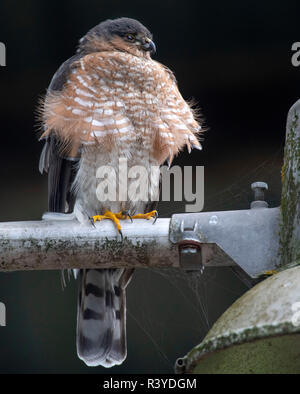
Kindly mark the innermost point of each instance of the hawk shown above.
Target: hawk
(110, 100)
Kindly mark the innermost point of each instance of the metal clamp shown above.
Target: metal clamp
(227, 239)
(189, 239)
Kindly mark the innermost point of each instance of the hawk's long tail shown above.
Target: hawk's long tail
(101, 316)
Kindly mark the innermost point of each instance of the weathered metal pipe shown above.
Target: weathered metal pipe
(246, 240)
(51, 244)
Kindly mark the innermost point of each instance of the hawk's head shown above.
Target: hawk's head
(122, 34)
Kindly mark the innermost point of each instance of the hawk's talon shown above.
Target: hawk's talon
(127, 214)
(123, 215)
(156, 216)
(92, 221)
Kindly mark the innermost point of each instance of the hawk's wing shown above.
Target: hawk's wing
(61, 169)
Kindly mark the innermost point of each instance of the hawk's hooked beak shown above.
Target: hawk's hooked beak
(149, 45)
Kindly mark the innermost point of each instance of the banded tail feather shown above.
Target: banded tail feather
(101, 316)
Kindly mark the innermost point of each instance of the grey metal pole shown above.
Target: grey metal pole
(246, 240)
(290, 199)
(64, 244)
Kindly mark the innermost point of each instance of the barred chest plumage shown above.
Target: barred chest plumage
(115, 97)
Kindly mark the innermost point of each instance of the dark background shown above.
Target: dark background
(234, 59)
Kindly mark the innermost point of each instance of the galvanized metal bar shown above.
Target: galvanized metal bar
(60, 244)
(246, 240)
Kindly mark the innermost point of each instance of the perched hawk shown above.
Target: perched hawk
(110, 100)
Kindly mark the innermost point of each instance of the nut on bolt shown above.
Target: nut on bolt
(190, 255)
(188, 237)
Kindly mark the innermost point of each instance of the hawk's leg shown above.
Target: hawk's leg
(148, 215)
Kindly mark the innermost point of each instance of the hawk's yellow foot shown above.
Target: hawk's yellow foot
(115, 217)
(148, 215)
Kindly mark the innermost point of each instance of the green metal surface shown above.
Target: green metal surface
(261, 326)
(268, 355)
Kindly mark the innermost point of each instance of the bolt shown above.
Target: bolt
(190, 257)
(180, 365)
(259, 189)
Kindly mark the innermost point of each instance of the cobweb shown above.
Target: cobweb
(201, 298)
(197, 283)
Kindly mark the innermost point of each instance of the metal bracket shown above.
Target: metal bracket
(196, 252)
(244, 240)
(189, 240)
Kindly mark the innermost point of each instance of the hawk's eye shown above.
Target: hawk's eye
(130, 37)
